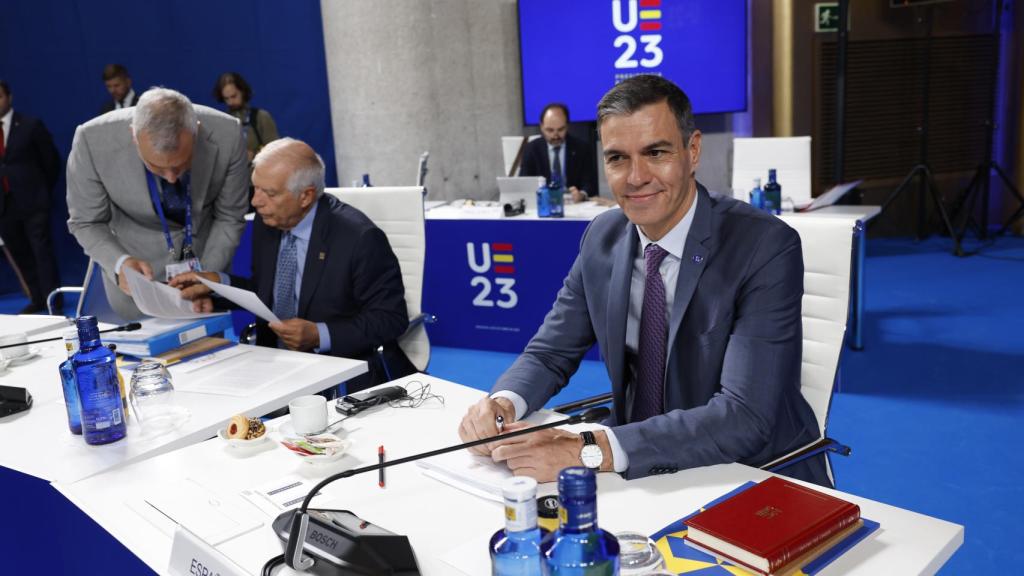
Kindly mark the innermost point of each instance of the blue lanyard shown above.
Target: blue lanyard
(154, 195)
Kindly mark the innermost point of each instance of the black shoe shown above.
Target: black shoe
(31, 308)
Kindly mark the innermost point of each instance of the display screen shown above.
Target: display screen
(573, 51)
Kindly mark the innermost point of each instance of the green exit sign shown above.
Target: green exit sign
(826, 17)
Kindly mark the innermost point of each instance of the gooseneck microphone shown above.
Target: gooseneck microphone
(299, 522)
(123, 328)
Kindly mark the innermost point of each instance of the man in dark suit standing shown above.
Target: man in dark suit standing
(321, 265)
(694, 299)
(119, 84)
(29, 167)
(561, 154)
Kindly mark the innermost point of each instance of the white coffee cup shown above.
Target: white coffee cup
(309, 414)
(13, 352)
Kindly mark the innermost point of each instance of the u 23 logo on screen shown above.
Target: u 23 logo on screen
(630, 17)
(492, 258)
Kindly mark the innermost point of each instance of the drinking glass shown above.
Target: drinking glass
(152, 397)
(638, 555)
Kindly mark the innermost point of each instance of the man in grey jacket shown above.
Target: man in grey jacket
(161, 187)
(695, 302)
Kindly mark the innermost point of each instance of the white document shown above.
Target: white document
(829, 198)
(158, 300)
(790, 157)
(244, 298)
(240, 375)
(211, 517)
(479, 475)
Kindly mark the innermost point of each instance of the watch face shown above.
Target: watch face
(591, 456)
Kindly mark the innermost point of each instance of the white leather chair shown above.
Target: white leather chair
(398, 211)
(92, 297)
(828, 248)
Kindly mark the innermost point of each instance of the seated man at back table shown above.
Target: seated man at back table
(695, 302)
(321, 265)
(561, 154)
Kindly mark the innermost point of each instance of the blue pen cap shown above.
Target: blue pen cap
(88, 328)
(577, 482)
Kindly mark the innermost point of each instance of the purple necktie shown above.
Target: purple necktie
(650, 360)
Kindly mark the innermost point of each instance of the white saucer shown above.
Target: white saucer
(285, 430)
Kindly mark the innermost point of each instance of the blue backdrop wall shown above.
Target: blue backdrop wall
(52, 53)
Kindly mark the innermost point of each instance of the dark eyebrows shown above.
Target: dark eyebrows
(657, 145)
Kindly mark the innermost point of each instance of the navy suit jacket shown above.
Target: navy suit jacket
(351, 281)
(732, 384)
(31, 165)
(580, 165)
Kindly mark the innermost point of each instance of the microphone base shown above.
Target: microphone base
(342, 544)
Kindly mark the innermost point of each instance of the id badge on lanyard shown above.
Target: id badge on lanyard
(188, 262)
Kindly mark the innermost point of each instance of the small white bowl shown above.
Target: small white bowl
(340, 451)
(238, 443)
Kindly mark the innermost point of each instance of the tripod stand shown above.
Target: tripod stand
(922, 172)
(981, 182)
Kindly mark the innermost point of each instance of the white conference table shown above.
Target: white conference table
(66, 457)
(449, 528)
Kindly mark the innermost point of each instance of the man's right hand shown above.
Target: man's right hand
(480, 421)
(140, 266)
(190, 286)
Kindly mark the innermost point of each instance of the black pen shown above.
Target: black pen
(380, 459)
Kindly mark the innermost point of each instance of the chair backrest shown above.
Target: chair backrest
(510, 148)
(398, 211)
(789, 156)
(93, 300)
(827, 247)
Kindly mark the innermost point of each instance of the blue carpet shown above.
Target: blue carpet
(932, 406)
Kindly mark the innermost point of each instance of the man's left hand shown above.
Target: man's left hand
(297, 334)
(541, 455)
(577, 194)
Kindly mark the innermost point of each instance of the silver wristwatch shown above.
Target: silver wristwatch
(591, 454)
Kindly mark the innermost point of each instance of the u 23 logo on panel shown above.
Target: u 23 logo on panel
(494, 266)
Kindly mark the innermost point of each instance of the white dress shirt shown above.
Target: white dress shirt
(6, 121)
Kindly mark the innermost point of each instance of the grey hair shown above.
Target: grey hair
(307, 166)
(638, 91)
(163, 114)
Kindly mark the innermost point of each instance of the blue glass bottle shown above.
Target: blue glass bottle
(515, 549)
(543, 201)
(757, 195)
(579, 547)
(556, 198)
(98, 389)
(772, 194)
(67, 379)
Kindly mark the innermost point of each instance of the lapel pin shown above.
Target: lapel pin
(698, 258)
(323, 255)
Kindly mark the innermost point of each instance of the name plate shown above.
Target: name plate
(190, 556)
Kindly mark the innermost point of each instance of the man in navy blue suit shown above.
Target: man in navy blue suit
(29, 168)
(327, 272)
(695, 302)
(562, 154)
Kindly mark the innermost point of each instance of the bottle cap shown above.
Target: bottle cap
(757, 182)
(547, 507)
(519, 489)
(576, 482)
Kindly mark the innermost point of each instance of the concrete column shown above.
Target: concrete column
(408, 76)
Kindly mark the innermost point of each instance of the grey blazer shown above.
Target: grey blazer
(732, 384)
(109, 204)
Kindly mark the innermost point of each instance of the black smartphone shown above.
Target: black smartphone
(355, 403)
